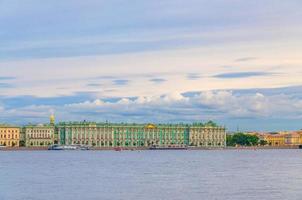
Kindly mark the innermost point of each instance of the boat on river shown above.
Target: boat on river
(118, 149)
(168, 148)
(67, 147)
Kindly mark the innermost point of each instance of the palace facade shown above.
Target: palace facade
(282, 138)
(140, 135)
(38, 135)
(9, 135)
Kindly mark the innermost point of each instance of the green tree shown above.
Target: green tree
(242, 139)
(22, 144)
(252, 140)
(263, 142)
(229, 140)
(211, 124)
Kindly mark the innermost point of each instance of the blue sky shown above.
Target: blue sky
(236, 62)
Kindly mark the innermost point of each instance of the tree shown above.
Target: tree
(263, 142)
(229, 140)
(22, 144)
(242, 139)
(252, 140)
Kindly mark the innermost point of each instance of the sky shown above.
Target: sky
(236, 62)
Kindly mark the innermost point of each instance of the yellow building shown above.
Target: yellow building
(300, 133)
(293, 138)
(274, 139)
(9, 135)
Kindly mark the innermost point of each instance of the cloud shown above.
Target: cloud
(244, 59)
(193, 76)
(5, 85)
(105, 77)
(25, 101)
(224, 106)
(208, 104)
(184, 44)
(241, 74)
(7, 78)
(94, 84)
(121, 82)
(157, 80)
(81, 29)
(65, 76)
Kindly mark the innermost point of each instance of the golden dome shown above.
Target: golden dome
(52, 119)
(150, 126)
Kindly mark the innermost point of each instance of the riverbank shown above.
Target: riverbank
(146, 148)
(262, 147)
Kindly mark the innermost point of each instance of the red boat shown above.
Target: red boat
(118, 149)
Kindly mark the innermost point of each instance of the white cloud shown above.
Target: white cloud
(218, 105)
(223, 103)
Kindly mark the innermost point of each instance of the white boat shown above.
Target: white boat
(55, 147)
(67, 147)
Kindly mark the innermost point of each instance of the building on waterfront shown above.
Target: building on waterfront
(293, 138)
(9, 135)
(141, 135)
(282, 138)
(38, 135)
(276, 139)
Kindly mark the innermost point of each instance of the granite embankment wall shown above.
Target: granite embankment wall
(145, 148)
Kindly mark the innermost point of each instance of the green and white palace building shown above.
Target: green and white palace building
(141, 135)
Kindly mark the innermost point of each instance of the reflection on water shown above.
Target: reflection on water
(94, 175)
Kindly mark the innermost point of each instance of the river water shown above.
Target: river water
(144, 175)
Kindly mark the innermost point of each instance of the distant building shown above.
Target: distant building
(140, 135)
(38, 135)
(282, 138)
(274, 139)
(293, 138)
(9, 135)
